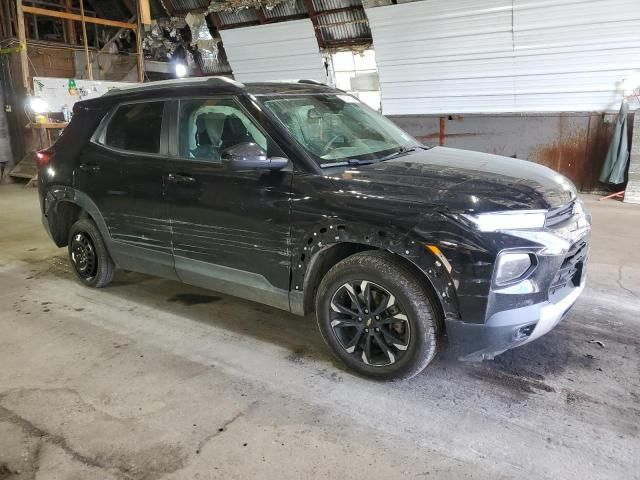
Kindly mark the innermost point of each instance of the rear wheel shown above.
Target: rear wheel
(377, 317)
(88, 254)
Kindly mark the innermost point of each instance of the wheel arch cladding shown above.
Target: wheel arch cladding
(328, 244)
(63, 206)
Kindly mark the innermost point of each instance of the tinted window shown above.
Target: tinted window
(136, 127)
(209, 126)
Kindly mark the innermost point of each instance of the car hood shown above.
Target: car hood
(460, 180)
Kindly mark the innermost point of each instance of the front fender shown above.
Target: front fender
(406, 245)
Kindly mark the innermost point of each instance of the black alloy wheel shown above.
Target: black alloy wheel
(378, 316)
(368, 321)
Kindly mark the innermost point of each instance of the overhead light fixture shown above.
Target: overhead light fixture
(38, 105)
(181, 70)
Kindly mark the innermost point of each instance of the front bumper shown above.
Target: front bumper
(523, 312)
(507, 329)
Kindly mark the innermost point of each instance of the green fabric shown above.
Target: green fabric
(615, 164)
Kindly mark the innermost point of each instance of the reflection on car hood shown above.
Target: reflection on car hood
(461, 180)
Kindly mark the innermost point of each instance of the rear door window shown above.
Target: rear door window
(136, 127)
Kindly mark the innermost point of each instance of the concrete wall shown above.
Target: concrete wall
(574, 144)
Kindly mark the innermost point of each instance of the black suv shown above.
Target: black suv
(298, 196)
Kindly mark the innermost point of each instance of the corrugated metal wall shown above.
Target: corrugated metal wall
(465, 56)
(287, 50)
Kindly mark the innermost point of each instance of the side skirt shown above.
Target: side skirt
(230, 281)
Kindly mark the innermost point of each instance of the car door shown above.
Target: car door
(125, 174)
(230, 228)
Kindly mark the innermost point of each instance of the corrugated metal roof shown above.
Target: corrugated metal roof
(347, 25)
(276, 51)
(339, 27)
(322, 5)
(241, 16)
(184, 6)
(504, 55)
(285, 9)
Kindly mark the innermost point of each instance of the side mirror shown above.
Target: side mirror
(250, 156)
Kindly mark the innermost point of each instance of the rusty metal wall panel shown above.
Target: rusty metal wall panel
(465, 56)
(573, 144)
(277, 51)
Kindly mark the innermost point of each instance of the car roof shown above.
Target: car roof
(215, 85)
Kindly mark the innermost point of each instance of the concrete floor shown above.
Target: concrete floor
(153, 379)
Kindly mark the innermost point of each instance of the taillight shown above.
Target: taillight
(43, 157)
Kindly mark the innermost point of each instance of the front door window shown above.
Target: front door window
(208, 127)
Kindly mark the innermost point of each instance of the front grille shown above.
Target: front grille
(559, 215)
(571, 269)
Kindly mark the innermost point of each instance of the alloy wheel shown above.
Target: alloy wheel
(369, 323)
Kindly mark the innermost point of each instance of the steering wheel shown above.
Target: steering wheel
(329, 144)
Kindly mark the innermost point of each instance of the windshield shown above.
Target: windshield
(335, 128)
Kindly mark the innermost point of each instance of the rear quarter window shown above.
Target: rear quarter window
(135, 127)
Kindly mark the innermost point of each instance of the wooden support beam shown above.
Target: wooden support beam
(3, 23)
(78, 18)
(85, 42)
(314, 20)
(262, 18)
(22, 38)
(215, 18)
(69, 25)
(145, 12)
(13, 13)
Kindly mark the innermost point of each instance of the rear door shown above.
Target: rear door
(124, 175)
(230, 228)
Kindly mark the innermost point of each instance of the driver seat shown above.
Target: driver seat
(234, 132)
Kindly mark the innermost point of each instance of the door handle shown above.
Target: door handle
(178, 178)
(86, 167)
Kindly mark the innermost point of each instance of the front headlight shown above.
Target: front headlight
(513, 220)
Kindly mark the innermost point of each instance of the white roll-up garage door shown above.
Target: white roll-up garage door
(278, 51)
(465, 56)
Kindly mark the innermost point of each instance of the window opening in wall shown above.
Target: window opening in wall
(356, 72)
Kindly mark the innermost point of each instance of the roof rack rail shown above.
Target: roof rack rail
(312, 82)
(212, 81)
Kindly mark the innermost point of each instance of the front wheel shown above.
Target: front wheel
(377, 317)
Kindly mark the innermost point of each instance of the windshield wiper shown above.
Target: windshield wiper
(403, 151)
(350, 162)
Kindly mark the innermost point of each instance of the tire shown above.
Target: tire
(406, 320)
(88, 255)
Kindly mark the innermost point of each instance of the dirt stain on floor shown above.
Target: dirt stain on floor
(193, 299)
